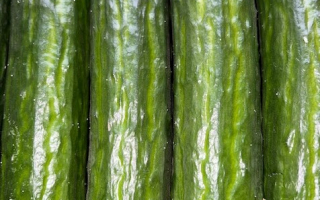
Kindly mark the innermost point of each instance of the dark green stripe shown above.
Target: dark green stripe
(4, 40)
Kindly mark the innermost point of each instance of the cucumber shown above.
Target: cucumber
(128, 116)
(290, 59)
(217, 152)
(45, 131)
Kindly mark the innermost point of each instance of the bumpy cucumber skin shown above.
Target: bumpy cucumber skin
(46, 103)
(291, 98)
(217, 152)
(129, 117)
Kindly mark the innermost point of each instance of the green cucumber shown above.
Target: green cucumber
(129, 117)
(290, 43)
(44, 138)
(217, 152)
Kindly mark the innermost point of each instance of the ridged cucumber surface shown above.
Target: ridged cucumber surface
(44, 138)
(129, 117)
(290, 43)
(217, 151)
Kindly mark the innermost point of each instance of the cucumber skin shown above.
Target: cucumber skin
(129, 117)
(217, 152)
(46, 103)
(290, 59)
